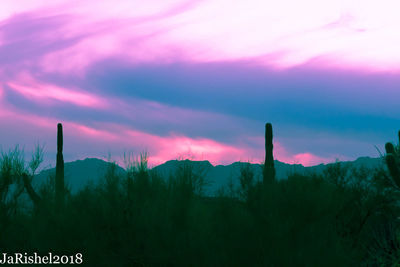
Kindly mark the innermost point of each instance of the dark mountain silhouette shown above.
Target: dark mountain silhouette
(79, 173)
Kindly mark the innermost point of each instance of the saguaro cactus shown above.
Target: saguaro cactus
(399, 137)
(392, 161)
(269, 168)
(59, 169)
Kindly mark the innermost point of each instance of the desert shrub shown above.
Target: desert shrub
(341, 218)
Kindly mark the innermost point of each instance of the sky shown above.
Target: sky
(199, 79)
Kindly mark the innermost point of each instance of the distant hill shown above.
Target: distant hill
(221, 175)
(79, 173)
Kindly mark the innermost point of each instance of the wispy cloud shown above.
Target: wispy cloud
(42, 92)
(80, 33)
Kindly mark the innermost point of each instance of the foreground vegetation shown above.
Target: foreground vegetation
(341, 218)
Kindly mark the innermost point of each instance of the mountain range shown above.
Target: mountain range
(81, 172)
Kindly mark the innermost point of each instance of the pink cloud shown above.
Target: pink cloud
(36, 90)
(23, 119)
(83, 140)
(175, 147)
(308, 159)
(1, 92)
(91, 132)
(209, 31)
(346, 34)
(163, 148)
(281, 153)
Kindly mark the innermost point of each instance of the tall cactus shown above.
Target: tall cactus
(398, 133)
(393, 161)
(269, 168)
(59, 183)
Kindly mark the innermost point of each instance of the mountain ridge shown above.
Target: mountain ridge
(80, 172)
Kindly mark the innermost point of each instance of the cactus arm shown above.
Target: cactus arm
(393, 168)
(398, 133)
(392, 162)
(389, 148)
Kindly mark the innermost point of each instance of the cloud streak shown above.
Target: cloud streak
(47, 92)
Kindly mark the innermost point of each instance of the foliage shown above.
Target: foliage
(342, 217)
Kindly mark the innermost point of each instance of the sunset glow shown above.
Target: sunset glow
(200, 79)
